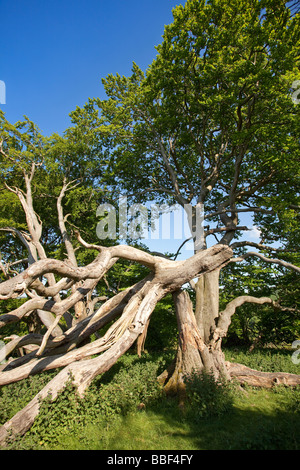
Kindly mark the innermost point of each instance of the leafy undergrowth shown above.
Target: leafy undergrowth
(125, 409)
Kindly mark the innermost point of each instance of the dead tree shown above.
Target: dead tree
(69, 348)
(132, 307)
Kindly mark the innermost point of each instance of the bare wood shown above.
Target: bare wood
(134, 307)
(260, 246)
(224, 319)
(268, 260)
(16, 286)
(256, 378)
(170, 275)
(84, 372)
(61, 222)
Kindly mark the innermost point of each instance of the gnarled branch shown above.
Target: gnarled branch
(280, 262)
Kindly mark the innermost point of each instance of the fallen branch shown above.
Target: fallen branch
(256, 378)
(280, 262)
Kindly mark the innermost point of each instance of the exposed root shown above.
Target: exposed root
(256, 378)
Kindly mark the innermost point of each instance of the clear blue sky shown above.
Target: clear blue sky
(55, 52)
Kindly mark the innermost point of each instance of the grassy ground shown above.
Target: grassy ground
(112, 416)
(258, 421)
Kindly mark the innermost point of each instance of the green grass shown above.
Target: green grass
(264, 359)
(259, 420)
(110, 419)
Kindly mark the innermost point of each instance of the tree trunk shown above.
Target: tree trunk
(207, 303)
(200, 338)
(196, 351)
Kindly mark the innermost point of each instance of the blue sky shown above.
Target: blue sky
(54, 53)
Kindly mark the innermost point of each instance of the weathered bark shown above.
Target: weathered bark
(200, 336)
(255, 378)
(84, 372)
(195, 352)
(207, 302)
(200, 339)
(224, 319)
(280, 262)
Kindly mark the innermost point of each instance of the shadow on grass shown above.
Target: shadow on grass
(256, 421)
(245, 427)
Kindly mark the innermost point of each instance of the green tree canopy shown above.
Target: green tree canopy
(212, 119)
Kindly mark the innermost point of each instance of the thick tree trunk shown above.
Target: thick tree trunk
(207, 303)
(195, 349)
(200, 338)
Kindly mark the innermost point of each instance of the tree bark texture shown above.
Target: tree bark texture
(196, 352)
(200, 339)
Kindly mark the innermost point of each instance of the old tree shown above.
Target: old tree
(214, 122)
